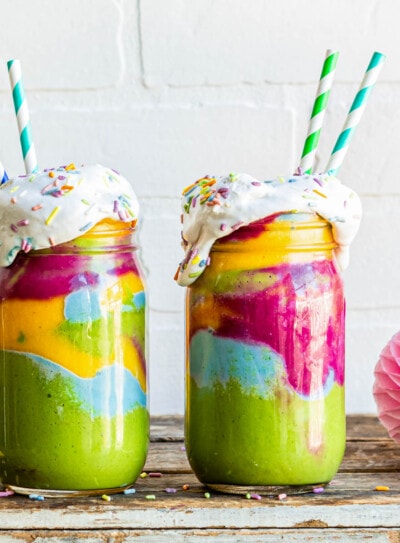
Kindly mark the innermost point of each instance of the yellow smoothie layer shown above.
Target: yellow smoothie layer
(38, 333)
(271, 244)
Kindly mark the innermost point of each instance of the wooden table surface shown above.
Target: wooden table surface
(350, 509)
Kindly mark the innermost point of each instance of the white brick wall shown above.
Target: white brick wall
(168, 90)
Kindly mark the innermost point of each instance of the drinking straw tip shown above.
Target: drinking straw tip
(332, 52)
(377, 58)
(332, 56)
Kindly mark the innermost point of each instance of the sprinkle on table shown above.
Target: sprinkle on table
(6, 493)
(36, 497)
(255, 496)
(382, 488)
(129, 491)
(318, 490)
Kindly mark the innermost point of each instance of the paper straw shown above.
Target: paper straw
(3, 174)
(355, 113)
(22, 113)
(318, 112)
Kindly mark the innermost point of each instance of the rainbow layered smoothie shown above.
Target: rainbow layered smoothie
(265, 327)
(72, 360)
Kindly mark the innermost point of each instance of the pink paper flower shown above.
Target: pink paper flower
(386, 388)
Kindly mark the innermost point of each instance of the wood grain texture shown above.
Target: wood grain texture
(313, 535)
(350, 509)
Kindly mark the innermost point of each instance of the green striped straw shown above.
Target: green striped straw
(355, 113)
(318, 112)
(22, 113)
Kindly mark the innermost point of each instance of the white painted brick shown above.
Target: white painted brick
(162, 150)
(64, 45)
(10, 151)
(231, 41)
(372, 279)
(166, 363)
(367, 333)
(161, 253)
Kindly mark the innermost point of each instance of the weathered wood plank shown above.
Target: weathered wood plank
(365, 427)
(360, 456)
(359, 427)
(166, 428)
(167, 457)
(344, 485)
(375, 456)
(350, 502)
(204, 536)
(217, 515)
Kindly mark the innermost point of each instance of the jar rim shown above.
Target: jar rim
(311, 232)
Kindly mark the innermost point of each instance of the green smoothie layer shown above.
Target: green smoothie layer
(303, 442)
(55, 440)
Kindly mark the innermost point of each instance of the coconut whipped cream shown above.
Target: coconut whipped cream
(44, 209)
(214, 207)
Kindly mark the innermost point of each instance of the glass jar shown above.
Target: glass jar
(72, 364)
(265, 357)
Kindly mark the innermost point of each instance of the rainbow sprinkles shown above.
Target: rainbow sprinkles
(43, 209)
(213, 205)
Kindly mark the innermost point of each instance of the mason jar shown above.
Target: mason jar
(265, 358)
(73, 386)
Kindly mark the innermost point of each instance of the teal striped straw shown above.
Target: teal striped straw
(22, 113)
(355, 113)
(318, 112)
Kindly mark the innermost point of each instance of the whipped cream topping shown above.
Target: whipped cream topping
(44, 209)
(215, 207)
